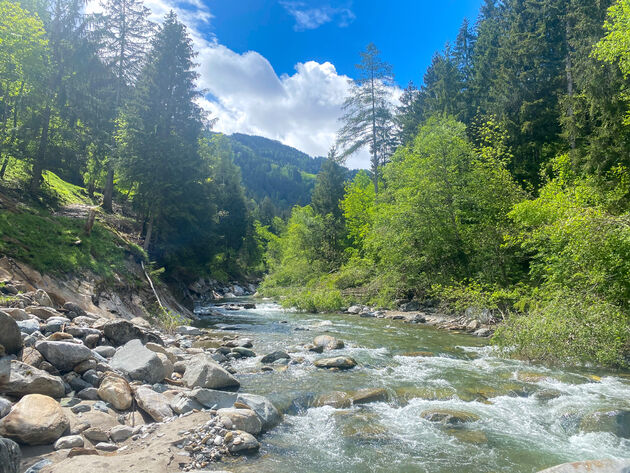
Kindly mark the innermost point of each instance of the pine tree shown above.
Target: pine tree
(123, 32)
(162, 128)
(329, 188)
(408, 114)
(368, 118)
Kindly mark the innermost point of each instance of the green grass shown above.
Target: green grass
(65, 192)
(58, 245)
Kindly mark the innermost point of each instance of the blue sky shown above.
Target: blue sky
(281, 68)
(407, 32)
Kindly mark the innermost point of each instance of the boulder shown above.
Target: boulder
(26, 379)
(10, 456)
(355, 309)
(74, 310)
(96, 435)
(70, 441)
(242, 419)
(17, 314)
(187, 330)
(120, 332)
(181, 404)
(591, 466)
(339, 362)
(364, 396)
(120, 433)
(449, 417)
(138, 363)
(42, 298)
(264, 409)
(153, 403)
(275, 356)
(29, 326)
(105, 351)
(244, 352)
(56, 324)
(410, 306)
(616, 422)
(213, 399)
(328, 342)
(166, 364)
(43, 313)
(10, 336)
(336, 399)
(32, 357)
(64, 355)
(242, 442)
(160, 349)
(203, 372)
(35, 420)
(115, 390)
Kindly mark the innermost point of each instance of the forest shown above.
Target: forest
(499, 184)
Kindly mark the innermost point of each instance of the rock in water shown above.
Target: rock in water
(340, 362)
(10, 336)
(242, 419)
(328, 342)
(242, 442)
(35, 420)
(364, 396)
(115, 390)
(449, 417)
(154, 404)
(275, 356)
(203, 372)
(266, 411)
(10, 456)
(138, 363)
(25, 379)
(614, 421)
(64, 355)
(591, 466)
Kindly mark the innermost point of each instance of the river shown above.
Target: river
(529, 416)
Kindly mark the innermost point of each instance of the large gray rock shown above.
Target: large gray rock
(591, 466)
(74, 310)
(181, 404)
(242, 419)
(264, 409)
(120, 332)
(25, 379)
(328, 342)
(138, 363)
(17, 314)
(275, 356)
(10, 456)
(35, 420)
(10, 336)
(213, 399)
(242, 442)
(203, 372)
(153, 403)
(64, 355)
(29, 326)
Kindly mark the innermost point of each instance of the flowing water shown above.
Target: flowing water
(529, 416)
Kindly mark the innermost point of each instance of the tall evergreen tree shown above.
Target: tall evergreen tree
(368, 117)
(164, 124)
(123, 30)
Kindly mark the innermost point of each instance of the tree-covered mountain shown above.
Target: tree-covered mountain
(276, 177)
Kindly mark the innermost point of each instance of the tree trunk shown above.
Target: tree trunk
(89, 224)
(147, 237)
(109, 190)
(38, 165)
(374, 149)
(5, 163)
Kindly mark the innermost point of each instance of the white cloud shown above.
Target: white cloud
(310, 18)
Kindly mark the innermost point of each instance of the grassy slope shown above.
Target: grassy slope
(57, 244)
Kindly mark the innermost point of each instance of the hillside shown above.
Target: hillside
(274, 173)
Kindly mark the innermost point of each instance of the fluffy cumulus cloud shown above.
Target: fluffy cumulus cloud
(309, 17)
(301, 110)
